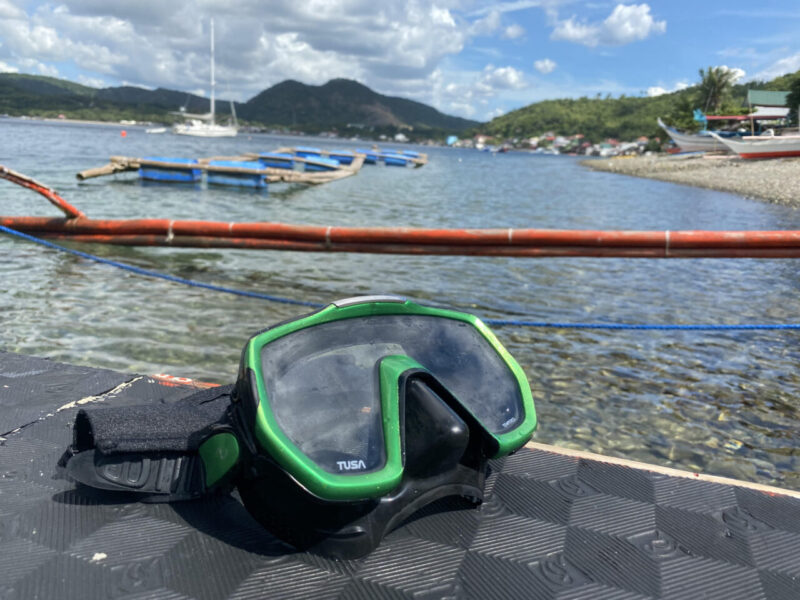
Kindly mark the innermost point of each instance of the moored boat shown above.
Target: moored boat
(693, 142)
(762, 146)
(206, 125)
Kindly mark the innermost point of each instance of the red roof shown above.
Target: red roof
(744, 117)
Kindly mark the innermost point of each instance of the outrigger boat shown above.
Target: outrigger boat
(762, 146)
(77, 227)
(693, 142)
(714, 140)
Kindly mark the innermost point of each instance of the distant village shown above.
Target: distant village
(550, 143)
(547, 143)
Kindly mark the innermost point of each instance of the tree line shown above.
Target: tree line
(630, 117)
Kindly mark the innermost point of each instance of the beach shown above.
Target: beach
(776, 180)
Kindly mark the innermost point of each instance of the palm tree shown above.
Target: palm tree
(715, 86)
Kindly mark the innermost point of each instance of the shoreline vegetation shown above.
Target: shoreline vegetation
(774, 180)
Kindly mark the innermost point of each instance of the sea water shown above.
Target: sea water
(722, 402)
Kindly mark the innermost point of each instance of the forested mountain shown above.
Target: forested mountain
(349, 106)
(342, 101)
(624, 118)
(289, 104)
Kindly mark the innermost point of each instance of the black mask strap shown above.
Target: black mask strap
(149, 450)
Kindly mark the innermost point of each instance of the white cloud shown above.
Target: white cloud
(493, 114)
(513, 32)
(94, 82)
(501, 78)
(462, 108)
(504, 7)
(737, 73)
(658, 90)
(544, 66)
(787, 64)
(9, 11)
(30, 65)
(626, 24)
(7, 68)
(487, 25)
(156, 43)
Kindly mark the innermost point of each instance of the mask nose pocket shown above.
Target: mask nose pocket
(435, 436)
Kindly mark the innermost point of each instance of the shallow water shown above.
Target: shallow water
(722, 402)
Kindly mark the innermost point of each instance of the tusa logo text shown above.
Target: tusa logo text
(351, 465)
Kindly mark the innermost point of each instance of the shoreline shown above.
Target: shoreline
(775, 180)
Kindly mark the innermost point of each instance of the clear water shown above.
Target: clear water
(725, 403)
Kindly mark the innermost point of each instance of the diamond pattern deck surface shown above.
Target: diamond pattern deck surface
(553, 527)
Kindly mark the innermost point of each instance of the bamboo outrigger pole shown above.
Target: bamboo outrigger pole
(399, 240)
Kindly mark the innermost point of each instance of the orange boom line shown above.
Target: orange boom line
(75, 226)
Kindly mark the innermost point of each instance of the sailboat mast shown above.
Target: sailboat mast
(213, 83)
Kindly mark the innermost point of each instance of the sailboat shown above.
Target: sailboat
(205, 125)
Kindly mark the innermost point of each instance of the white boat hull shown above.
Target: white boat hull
(200, 129)
(205, 126)
(689, 142)
(764, 146)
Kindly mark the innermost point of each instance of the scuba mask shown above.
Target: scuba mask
(341, 424)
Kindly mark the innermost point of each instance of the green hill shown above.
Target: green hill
(624, 118)
(342, 101)
(289, 104)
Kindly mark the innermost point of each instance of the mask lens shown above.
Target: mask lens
(323, 387)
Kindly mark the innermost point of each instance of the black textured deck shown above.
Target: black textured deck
(553, 527)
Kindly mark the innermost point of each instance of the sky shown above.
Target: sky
(468, 58)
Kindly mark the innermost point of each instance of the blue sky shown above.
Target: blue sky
(473, 59)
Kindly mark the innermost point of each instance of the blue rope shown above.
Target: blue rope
(648, 326)
(148, 273)
(494, 322)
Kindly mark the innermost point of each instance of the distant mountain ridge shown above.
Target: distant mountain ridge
(288, 104)
(342, 101)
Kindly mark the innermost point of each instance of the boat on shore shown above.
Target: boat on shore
(693, 142)
(762, 146)
(206, 125)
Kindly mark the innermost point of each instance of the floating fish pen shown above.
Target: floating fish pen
(322, 164)
(395, 160)
(276, 160)
(311, 160)
(236, 173)
(248, 170)
(373, 156)
(305, 151)
(302, 164)
(343, 157)
(180, 170)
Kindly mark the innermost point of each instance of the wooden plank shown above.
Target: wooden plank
(640, 466)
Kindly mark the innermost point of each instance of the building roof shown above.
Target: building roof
(765, 98)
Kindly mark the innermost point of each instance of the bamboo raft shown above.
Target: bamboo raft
(416, 159)
(121, 164)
